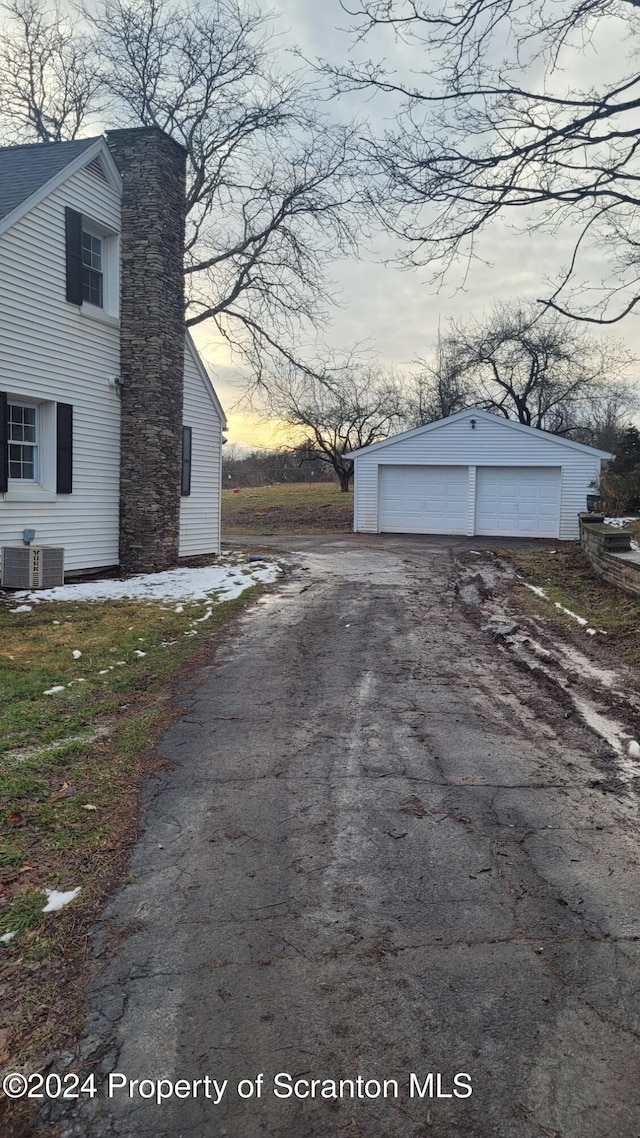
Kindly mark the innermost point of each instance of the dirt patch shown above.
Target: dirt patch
(575, 634)
(568, 580)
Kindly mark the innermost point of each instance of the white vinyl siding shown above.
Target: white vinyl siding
(200, 510)
(491, 443)
(53, 353)
(518, 501)
(423, 499)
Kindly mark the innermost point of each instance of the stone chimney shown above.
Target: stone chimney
(152, 338)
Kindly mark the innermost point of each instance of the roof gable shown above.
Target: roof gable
(29, 173)
(477, 413)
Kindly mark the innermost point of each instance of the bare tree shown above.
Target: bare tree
(607, 416)
(264, 467)
(271, 198)
(438, 388)
(619, 486)
(336, 409)
(270, 179)
(49, 81)
(544, 371)
(478, 136)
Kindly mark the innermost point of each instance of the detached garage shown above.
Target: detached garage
(474, 473)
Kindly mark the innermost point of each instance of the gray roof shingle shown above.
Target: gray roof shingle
(24, 169)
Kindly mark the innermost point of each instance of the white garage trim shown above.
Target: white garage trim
(471, 505)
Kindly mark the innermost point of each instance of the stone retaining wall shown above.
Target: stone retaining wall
(609, 551)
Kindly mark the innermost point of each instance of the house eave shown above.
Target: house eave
(99, 147)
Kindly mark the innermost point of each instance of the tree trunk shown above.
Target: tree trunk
(345, 479)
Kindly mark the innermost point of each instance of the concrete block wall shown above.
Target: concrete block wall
(610, 553)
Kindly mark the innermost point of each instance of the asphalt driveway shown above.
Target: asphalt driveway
(380, 852)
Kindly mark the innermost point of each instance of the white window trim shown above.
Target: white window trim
(44, 488)
(28, 492)
(110, 311)
(27, 403)
(89, 230)
(91, 312)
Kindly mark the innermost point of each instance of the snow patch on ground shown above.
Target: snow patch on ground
(620, 523)
(537, 590)
(596, 716)
(606, 728)
(574, 616)
(613, 732)
(7, 937)
(225, 579)
(57, 900)
(571, 670)
(22, 754)
(576, 660)
(207, 616)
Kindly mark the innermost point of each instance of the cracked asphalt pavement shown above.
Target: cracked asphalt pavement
(375, 851)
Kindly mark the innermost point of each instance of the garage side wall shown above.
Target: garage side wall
(488, 444)
(200, 510)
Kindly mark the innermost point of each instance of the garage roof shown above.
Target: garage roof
(477, 413)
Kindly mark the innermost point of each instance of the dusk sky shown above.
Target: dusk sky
(396, 312)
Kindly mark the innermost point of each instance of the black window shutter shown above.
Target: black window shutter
(185, 489)
(73, 230)
(64, 448)
(4, 449)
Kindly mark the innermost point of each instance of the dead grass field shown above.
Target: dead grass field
(296, 507)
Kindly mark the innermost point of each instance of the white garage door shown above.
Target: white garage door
(518, 501)
(423, 499)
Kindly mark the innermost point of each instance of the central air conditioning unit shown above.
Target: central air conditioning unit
(32, 566)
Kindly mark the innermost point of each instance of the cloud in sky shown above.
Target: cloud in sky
(395, 313)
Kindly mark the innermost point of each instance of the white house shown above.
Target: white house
(474, 473)
(100, 438)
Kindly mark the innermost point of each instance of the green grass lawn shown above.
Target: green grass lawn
(288, 507)
(71, 765)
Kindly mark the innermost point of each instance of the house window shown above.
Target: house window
(92, 269)
(22, 442)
